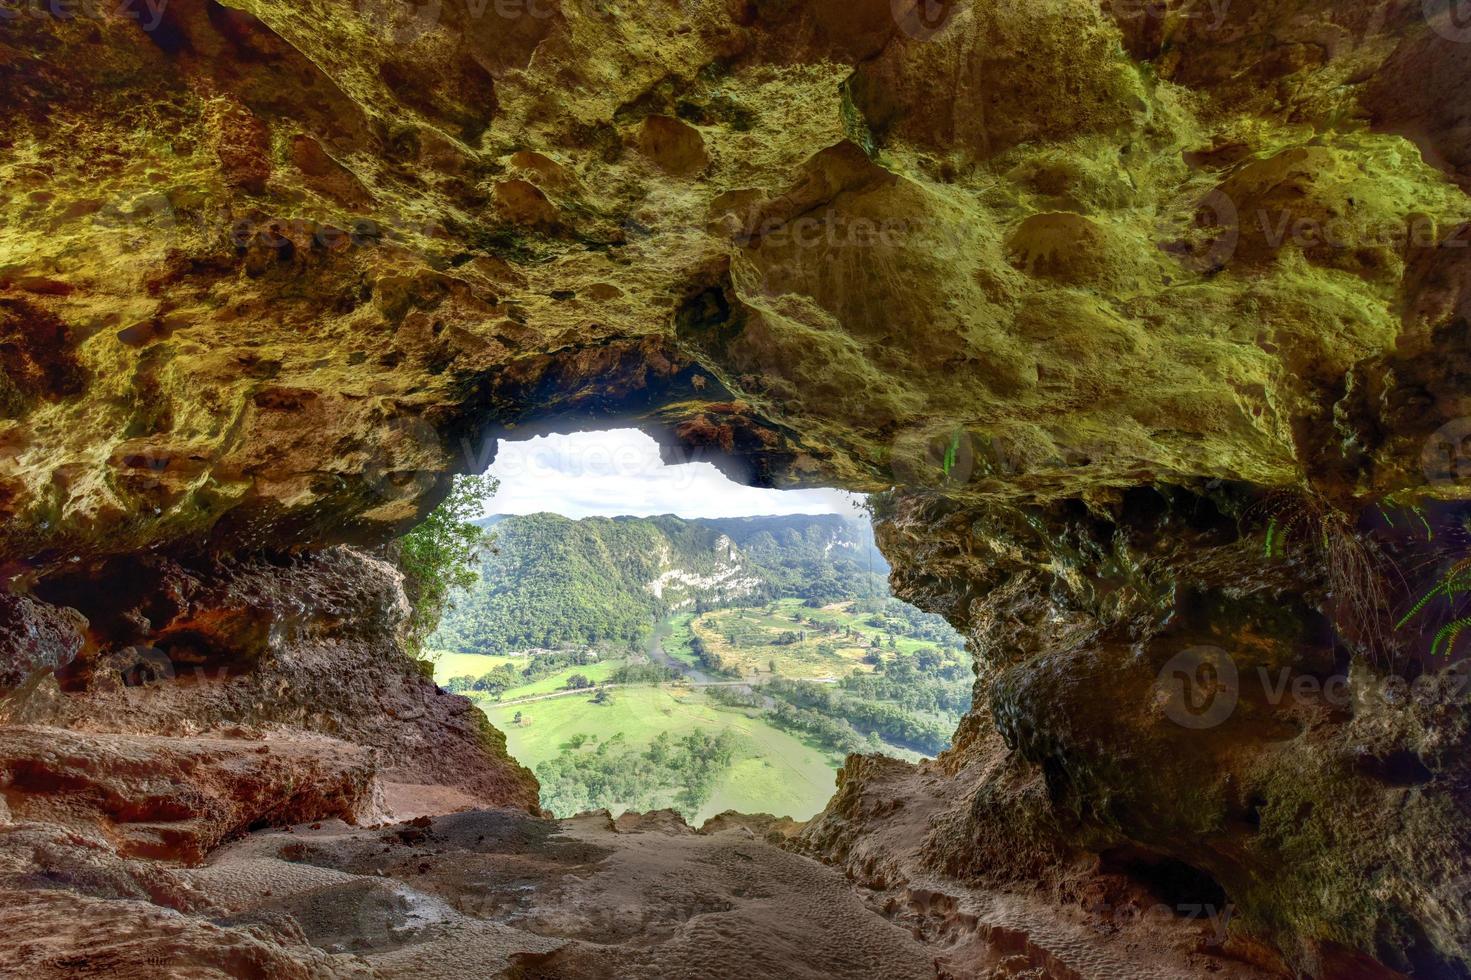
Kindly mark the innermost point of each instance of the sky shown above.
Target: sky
(614, 473)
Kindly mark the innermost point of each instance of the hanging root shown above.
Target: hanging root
(1355, 568)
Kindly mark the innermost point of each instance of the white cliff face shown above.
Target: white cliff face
(729, 579)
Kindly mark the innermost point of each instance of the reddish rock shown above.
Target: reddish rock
(176, 799)
(62, 936)
(243, 144)
(35, 636)
(306, 645)
(674, 146)
(522, 202)
(38, 359)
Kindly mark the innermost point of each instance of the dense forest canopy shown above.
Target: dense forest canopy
(549, 582)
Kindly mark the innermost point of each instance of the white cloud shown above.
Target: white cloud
(619, 472)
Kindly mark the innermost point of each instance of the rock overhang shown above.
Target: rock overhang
(272, 301)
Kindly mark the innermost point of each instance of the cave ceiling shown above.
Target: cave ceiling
(271, 271)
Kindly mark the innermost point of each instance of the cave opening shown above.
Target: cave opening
(651, 633)
(1180, 886)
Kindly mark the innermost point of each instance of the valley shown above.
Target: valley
(713, 701)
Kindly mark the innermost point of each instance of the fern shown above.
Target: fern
(1455, 583)
(1417, 607)
(1452, 585)
(1415, 510)
(1448, 634)
(1420, 513)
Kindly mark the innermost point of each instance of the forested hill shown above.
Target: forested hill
(547, 581)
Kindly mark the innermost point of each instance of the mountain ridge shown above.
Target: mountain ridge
(549, 580)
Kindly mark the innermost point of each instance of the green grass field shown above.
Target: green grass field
(597, 673)
(448, 664)
(819, 655)
(677, 643)
(774, 772)
(474, 664)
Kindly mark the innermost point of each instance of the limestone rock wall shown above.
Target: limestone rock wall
(1157, 697)
(210, 692)
(270, 272)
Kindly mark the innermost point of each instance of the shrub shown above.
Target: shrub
(438, 556)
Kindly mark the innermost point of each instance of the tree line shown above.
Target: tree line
(682, 771)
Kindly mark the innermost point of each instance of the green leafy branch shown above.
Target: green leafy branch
(1455, 584)
(439, 556)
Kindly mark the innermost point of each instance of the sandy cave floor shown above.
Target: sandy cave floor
(483, 893)
(477, 893)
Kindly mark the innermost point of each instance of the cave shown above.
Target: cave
(650, 634)
(1145, 331)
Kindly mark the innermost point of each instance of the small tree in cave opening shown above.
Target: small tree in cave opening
(438, 557)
